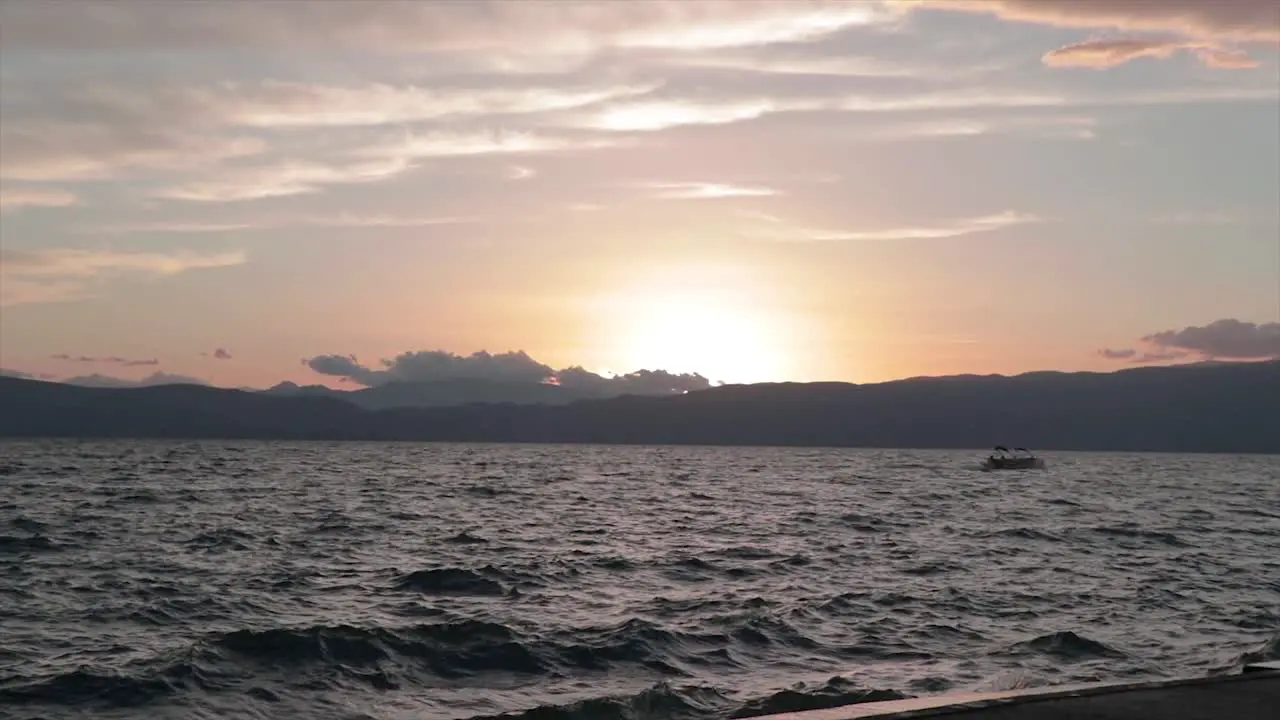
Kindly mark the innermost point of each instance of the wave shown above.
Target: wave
(34, 543)
(1166, 538)
(666, 702)
(450, 581)
(87, 687)
(1022, 533)
(220, 540)
(26, 524)
(321, 657)
(1268, 651)
(1068, 646)
(836, 692)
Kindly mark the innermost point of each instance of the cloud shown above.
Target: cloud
(1067, 127)
(1102, 54)
(111, 359)
(1225, 339)
(221, 354)
(1109, 53)
(341, 220)
(121, 131)
(156, 378)
(282, 179)
(4, 372)
(482, 26)
(1200, 26)
(1224, 59)
(640, 382)
(520, 172)
(432, 365)
(655, 115)
(17, 198)
(277, 104)
(1239, 20)
(773, 228)
(450, 144)
(704, 191)
(842, 66)
(652, 115)
(1142, 358)
(33, 276)
(512, 367)
(1154, 356)
(49, 149)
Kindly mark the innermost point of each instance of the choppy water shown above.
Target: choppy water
(261, 580)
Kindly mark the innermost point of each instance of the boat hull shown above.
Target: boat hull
(1013, 464)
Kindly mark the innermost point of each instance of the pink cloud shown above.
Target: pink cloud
(1226, 59)
(1241, 20)
(1109, 53)
(1200, 26)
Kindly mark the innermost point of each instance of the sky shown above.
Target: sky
(350, 192)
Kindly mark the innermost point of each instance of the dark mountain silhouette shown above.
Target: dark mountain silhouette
(1191, 408)
(440, 393)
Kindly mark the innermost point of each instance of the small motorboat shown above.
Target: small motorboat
(1015, 459)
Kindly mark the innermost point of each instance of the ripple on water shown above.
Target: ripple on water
(250, 580)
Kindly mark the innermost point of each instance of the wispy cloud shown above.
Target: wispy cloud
(106, 360)
(283, 179)
(481, 26)
(441, 144)
(1102, 54)
(774, 228)
(1226, 59)
(14, 199)
(843, 66)
(1243, 20)
(53, 149)
(284, 104)
(663, 114)
(657, 115)
(704, 190)
(32, 276)
(1076, 127)
(520, 172)
(1204, 28)
(340, 220)
(155, 378)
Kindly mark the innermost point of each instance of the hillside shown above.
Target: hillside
(1193, 408)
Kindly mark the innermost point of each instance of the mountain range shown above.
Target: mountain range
(1206, 407)
(441, 393)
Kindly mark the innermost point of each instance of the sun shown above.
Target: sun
(723, 334)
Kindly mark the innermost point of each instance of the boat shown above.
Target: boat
(1015, 459)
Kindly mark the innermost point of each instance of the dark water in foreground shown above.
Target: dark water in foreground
(258, 580)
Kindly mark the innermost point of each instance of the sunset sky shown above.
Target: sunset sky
(749, 190)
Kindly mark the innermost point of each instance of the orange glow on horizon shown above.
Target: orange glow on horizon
(685, 321)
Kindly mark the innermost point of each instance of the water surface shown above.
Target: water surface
(271, 580)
